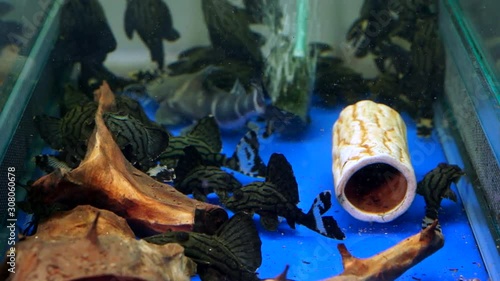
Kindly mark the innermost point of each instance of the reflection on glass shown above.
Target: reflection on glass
(9, 47)
(20, 22)
(482, 19)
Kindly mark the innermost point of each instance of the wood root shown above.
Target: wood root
(391, 263)
(88, 244)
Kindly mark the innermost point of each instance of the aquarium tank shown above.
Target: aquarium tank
(249, 140)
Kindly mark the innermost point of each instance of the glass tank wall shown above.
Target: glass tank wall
(21, 24)
(244, 139)
(479, 19)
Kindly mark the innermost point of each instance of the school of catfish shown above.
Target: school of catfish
(208, 89)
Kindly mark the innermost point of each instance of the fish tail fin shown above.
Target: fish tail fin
(187, 163)
(241, 237)
(162, 173)
(324, 225)
(156, 52)
(428, 221)
(246, 158)
(50, 130)
(207, 130)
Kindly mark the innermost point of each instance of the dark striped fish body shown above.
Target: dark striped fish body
(263, 198)
(85, 32)
(186, 98)
(129, 106)
(234, 251)
(425, 82)
(176, 150)
(229, 32)
(204, 180)
(435, 186)
(153, 22)
(278, 197)
(73, 97)
(205, 137)
(140, 139)
(192, 176)
(141, 144)
(69, 133)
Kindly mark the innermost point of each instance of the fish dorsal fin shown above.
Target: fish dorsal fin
(187, 163)
(246, 158)
(238, 88)
(130, 19)
(452, 174)
(207, 130)
(449, 194)
(73, 97)
(49, 129)
(241, 237)
(158, 140)
(280, 173)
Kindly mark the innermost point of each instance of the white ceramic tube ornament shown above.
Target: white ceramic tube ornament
(373, 176)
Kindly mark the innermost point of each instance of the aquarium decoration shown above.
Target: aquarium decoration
(372, 171)
(289, 69)
(391, 263)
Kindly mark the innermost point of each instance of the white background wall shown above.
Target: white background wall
(328, 22)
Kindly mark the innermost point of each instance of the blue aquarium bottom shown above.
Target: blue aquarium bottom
(314, 257)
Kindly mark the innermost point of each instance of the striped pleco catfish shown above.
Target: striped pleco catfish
(153, 22)
(141, 144)
(205, 137)
(194, 177)
(140, 140)
(278, 196)
(233, 252)
(435, 186)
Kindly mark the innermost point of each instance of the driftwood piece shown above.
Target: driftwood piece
(391, 263)
(75, 223)
(72, 246)
(105, 179)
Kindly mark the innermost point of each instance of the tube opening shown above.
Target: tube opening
(376, 188)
